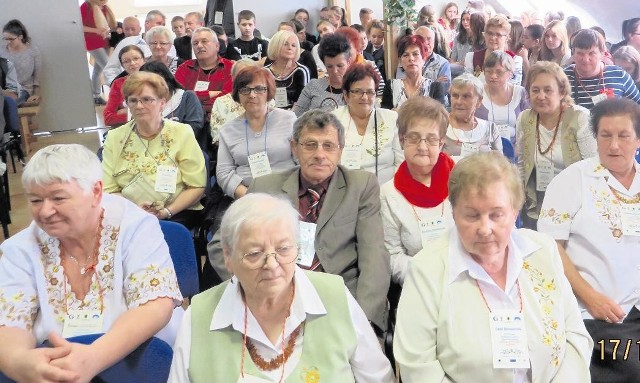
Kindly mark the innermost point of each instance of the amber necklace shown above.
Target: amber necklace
(555, 133)
(278, 360)
(623, 199)
(88, 266)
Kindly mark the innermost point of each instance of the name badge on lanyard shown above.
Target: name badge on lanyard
(259, 164)
(166, 179)
(630, 219)
(544, 173)
(509, 339)
(468, 149)
(352, 157)
(252, 379)
(431, 230)
(201, 85)
(306, 240)
(281, 97)
(598, 98)
(82, 322)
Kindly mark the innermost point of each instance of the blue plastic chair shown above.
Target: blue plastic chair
(183, 254)
(507, 149)
(149, 363)
(638, 155)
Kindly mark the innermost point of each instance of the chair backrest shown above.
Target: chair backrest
(183, 255)
(507, 149)
(149, 363)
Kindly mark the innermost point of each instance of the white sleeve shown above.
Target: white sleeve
(179, 372)
(586, 141)
(392, 240)
(558, 206)
(368, 363)
(468, 63)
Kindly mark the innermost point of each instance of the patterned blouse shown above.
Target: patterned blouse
(134, 267)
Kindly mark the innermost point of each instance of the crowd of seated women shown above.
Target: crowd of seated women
(519, 269)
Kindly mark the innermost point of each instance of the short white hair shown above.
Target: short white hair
(63, 163)
(258, 208)
(214, 37)
(159, 30)
(467, 79)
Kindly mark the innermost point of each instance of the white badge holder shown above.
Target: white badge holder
(599, 98)
(307, 243)
(252, 379)
(468, 149)
(504, 130)
(281, 97)
(351, 157)
(201, 86)
(509, 339)
(630, 219)
(431, 230)
(166, 179)
(544, 173)
(259, 164)
(82, 322)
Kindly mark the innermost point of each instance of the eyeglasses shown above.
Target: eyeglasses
(257, 90)
(415, 55)
(283, 255)
(9, 38)
(133, 60)
(361, 92)
(155, 43)
(494, 34)
(415, 139)
(494, 72)
(312, 146)
(133, 101)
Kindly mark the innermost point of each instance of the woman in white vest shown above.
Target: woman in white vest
(274, 322)
(487, 302)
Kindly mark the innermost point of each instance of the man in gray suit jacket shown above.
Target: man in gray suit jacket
(349, 239)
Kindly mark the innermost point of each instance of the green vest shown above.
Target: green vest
(329, 340)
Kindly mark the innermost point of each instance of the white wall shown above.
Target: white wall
(67, 102)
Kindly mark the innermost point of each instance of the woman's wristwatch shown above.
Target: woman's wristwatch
(169, 213)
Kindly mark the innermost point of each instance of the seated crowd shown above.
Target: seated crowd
(471, 215)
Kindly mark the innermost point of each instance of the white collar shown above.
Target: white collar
(230, 310)
(460, 260)
(597, 170)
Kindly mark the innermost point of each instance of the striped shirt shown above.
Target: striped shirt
(614, 78)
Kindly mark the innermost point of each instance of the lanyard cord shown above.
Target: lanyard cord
(266, 129)
(487, 303)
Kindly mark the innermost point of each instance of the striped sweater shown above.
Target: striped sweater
(615, 78)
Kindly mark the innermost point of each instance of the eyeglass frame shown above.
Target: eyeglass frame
(419, 141)
(245, 90)
(156, 43)
(143, 100)
(361, 92)
(133, 60)
(308, 146)
(265, 257)
(10, 38)
(494, 34)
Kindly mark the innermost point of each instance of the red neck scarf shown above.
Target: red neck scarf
(425, 196)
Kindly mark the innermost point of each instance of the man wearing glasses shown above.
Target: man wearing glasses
(340, 229)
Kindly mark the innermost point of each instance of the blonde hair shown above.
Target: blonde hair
(277, 42)
(560, 30)
(499, 21)
(134, 83)
(477, 171)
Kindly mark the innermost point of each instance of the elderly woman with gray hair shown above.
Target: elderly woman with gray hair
(274, 321)
(526, 323)
(502, 101)
(160, 40)
(468, 134)
(86, 254)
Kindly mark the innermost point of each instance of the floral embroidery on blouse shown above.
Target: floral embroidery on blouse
(555, 216)
(137, 162)
(150, 283)
(60, 296)
(310, 375)
(369, 143)
(608, 211)
(18, 310)
(543, 288)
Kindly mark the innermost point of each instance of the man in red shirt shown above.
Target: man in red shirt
(209, 75)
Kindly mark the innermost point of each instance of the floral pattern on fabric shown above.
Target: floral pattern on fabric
(147, 163)
(150, 283)
(310, 375)
(224, 110)
(555, 216)
(60, 296)
(369, 142)
(552, 335)
(608, 211)
(18, 310)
